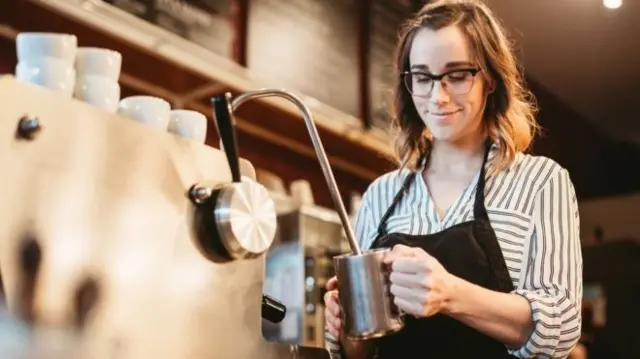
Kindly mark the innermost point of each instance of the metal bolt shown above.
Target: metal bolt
(28, 127)
(199, 195)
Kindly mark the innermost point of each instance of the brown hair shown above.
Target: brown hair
(509, 116)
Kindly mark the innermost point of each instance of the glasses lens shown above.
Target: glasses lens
(456, 83)
(459, 82)
(418, 84)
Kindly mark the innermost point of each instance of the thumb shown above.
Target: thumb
(399, 251)
(332, 283)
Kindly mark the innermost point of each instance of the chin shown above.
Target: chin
(444, 130)
(445, 134)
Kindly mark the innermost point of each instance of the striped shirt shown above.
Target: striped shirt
(533, 210)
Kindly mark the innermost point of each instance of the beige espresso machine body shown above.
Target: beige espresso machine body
(98, 253)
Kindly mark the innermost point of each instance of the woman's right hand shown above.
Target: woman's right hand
(333, 318)
(332, 314)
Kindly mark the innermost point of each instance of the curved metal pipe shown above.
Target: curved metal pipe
(317, 145)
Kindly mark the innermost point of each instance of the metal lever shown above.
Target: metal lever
(272, 309)
(226, 126)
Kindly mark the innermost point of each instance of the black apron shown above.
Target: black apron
(468, 250)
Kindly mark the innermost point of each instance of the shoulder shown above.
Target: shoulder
(516, 187)
(537, 171)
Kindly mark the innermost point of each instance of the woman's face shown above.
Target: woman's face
(452, 107)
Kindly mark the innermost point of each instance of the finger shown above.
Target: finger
(327, 298)
(336, 310)
(332, 283)
(407, 306)
(410, 265)
(332, 304)
(399, 291)
(413, 295)
(398, 251)
(335, 332)
(333, 321)
(330, 327)
(403, 251)
(331, 297)
(409, 280)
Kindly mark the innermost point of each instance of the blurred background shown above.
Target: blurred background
(581, 61)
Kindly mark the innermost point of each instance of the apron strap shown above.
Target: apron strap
(382, 226)
(486, 236)
(479, 209)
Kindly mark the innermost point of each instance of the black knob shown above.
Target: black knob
(28, 128)
(272, 309)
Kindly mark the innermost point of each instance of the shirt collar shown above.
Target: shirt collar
(492, 153)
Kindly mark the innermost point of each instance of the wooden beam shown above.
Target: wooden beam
(240, 25)
(364, 35)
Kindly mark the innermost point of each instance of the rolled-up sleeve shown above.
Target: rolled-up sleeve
(553, 281)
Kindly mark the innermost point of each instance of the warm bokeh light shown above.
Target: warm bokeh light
(612, 4)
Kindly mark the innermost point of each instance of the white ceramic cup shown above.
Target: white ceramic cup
(55, 74)
(301, 192)
(152, 111)
(99, 91)
(31, 45)
(94, 61)
(188, 124)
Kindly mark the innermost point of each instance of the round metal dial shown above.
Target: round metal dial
(246, 219)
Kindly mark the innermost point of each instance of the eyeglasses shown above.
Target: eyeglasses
(457, 82)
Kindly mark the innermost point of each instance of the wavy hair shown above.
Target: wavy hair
(509, 115)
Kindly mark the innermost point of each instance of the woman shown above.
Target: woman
(485, 244)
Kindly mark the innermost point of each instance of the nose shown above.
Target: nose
(439, 94)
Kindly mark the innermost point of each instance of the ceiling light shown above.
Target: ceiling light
(612, 4)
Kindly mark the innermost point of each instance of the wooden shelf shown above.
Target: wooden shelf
(159, 63)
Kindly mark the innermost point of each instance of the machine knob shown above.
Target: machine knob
(237, 219)
(272, 309)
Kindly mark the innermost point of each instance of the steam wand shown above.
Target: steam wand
(317, 145)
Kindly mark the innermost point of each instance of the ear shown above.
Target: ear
(490, 86)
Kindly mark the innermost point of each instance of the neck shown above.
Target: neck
(462, 155)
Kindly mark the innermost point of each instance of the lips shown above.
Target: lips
(443, 113)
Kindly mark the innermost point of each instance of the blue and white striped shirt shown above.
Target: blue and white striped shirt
(533, 210)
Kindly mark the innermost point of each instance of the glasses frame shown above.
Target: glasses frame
(473, 71)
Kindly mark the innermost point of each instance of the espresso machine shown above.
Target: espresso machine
(118, 241)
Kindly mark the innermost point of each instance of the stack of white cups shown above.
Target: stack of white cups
(97, 74)
(47, 60)
(91, 75)
(188, 124)
(157, 113)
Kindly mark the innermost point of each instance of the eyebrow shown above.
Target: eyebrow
(449, 65)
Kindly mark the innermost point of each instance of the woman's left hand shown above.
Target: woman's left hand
(420, 284)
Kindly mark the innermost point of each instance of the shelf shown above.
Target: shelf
(160, 63)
